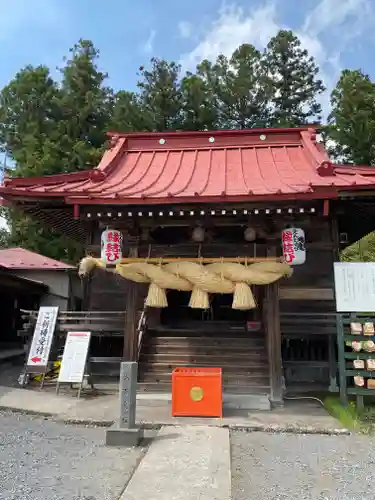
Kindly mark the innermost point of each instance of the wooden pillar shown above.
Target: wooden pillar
(272, 320)
(332, 340)
(130, 350)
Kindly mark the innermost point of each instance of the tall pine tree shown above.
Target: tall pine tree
(29, 121)
(239, 88)
(160, 94)
(128, 115)
(293, 78)
(198, 104)
(351, 123)
(85, 106)
(48, 128)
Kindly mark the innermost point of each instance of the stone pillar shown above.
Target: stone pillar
(125, 432)
(128, 394)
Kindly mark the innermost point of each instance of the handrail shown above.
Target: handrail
(34, 312)
(141, 329)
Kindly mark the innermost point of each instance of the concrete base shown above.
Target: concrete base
(259, 402)
(116, 436)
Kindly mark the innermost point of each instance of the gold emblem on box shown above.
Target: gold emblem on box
(196, 393)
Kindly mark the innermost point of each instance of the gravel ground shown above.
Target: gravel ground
(301, 467)
(41, 459)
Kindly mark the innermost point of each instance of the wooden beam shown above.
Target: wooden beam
(200, 260)
(130, 331)
(273, 332)
(274, 343)
(304, 293)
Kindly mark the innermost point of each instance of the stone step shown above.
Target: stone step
(206, 334)
(230, 354)
(232, 378)
(211, 359)
(228, 388)
(208, 340)
(202, 328)
(157, 367)
(245, 401)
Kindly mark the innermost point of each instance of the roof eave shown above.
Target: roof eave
(221, 132)
(320, 193)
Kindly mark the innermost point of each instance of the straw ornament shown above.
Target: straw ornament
(201, 280)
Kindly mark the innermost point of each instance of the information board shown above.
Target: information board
(355, 286)
(42, 339)
(73, 363)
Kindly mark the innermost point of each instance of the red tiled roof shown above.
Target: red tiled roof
(202, 166)
(19, 258)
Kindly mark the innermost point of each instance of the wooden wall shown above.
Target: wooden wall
(108, 291)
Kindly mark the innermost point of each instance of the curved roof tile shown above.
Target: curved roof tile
(179, 166)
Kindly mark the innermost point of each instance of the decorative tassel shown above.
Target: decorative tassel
(199, 299)
(243, 298)
(156, 297)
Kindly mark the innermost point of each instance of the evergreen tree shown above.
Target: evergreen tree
(49, 129)
(31, 234)
(160, 95)
(293, 79)
(128, 115)
(351, 123)
(198, 105)
(240, 88)
(29, 121)
(85, 107)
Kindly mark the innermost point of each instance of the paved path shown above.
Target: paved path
(184, 463)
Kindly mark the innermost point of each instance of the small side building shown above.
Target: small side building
(29, 280)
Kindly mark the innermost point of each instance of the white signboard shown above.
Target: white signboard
(293, 243)
(42, 339)
(73, 363)
(355, 286)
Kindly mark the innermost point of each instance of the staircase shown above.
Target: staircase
(242, 356)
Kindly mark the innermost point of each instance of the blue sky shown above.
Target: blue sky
(339, 33)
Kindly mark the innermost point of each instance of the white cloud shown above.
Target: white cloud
(231, 29)
(337, 20)
(149, 44)
(185, 29)
(336, 13)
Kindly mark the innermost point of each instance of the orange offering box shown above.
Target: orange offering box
(197, 392)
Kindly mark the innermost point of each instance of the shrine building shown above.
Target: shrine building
(168, 219)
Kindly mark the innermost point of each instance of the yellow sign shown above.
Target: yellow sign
(196, 393)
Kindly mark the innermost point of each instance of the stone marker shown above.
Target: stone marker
(125, 432)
